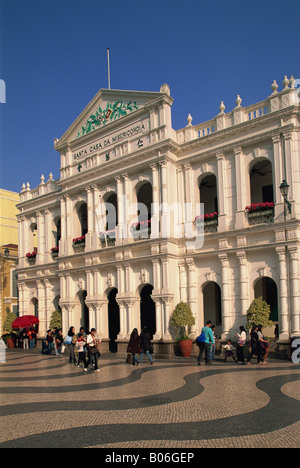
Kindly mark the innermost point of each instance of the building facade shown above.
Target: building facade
(8, 254)
(143, 217)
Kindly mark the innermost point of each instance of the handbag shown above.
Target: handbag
(95, 351)
(129, 358)
(62, 349)
(68, 339)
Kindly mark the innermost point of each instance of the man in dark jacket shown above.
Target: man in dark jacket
(145, 344)
(255, 346)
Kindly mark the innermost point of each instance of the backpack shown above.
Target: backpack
(201, 339)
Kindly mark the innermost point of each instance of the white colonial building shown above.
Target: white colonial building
(119, 239)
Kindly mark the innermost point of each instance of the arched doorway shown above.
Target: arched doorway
(147, 308)
(34, 307)
(267, 289)
(113, 320)
(212, 305)
(85, 318)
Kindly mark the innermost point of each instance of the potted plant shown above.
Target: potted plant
(79, 244)
(54, 252)
(31, 257)
(182, 318)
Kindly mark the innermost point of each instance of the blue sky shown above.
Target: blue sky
(53, 61)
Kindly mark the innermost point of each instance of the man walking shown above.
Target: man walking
(206, 338)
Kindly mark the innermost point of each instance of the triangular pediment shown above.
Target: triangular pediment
(107, 107)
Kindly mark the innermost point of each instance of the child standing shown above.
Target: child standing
(229, 351)
(80, 344)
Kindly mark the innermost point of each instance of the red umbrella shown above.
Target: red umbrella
(25, 321)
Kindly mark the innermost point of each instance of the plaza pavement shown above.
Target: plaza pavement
(47, 402)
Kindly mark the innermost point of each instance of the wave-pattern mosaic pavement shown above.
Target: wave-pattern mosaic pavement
(47, 402)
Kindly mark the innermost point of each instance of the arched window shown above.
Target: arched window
(261, 208)
(208, 194)
(261, 182)
(81, 221)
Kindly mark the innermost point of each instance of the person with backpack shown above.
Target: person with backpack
(203, 341)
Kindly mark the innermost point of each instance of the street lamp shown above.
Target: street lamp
(284, 189)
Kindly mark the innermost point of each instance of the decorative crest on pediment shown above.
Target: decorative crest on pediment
(104, 115)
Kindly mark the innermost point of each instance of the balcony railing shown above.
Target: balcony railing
(141, 230)
(210, 221)
(79, 244)
(108, 238)
(260, 213)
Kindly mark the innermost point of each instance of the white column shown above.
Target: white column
(48, 302)
(244, 289)
(129, 321)
(240, 172)
(283, 295)
(291, 172)
(63, 221)
(122, 309)
(49, 239)
(192, 294)
(126, 206)
(69, 230)
(164, 199)
(21, 241)
(182, 282)
(165, 276)
(155, 205)
(189, 197)
(158, 319)
(294, 289)
(120, 203)
(221, 181)
(96, 231)
(180, 200)
(166, 320)
(278, 176)
(90, 219)
(41, 308)
(40, 238)
(226, 316)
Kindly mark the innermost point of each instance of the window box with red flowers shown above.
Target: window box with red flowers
(141, 230)
(259, 213)
(79, 244)
(54, 252)
(108, 238)
(31, 258)
(210, 221)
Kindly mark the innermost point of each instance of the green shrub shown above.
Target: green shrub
(56, 320)
(182, 318)
(10, 317)
(259, 314)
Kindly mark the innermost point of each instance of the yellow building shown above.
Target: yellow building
(8, 253)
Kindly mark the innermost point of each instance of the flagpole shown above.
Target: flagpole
(108, 69)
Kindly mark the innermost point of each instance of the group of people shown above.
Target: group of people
(84, 343)
(259, 346)
(139, 344)
(27, 338)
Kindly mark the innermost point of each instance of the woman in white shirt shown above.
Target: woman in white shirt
(242, 338)
(91, 343)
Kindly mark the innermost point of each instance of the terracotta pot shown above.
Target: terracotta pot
(10, 343)
(186, 347)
